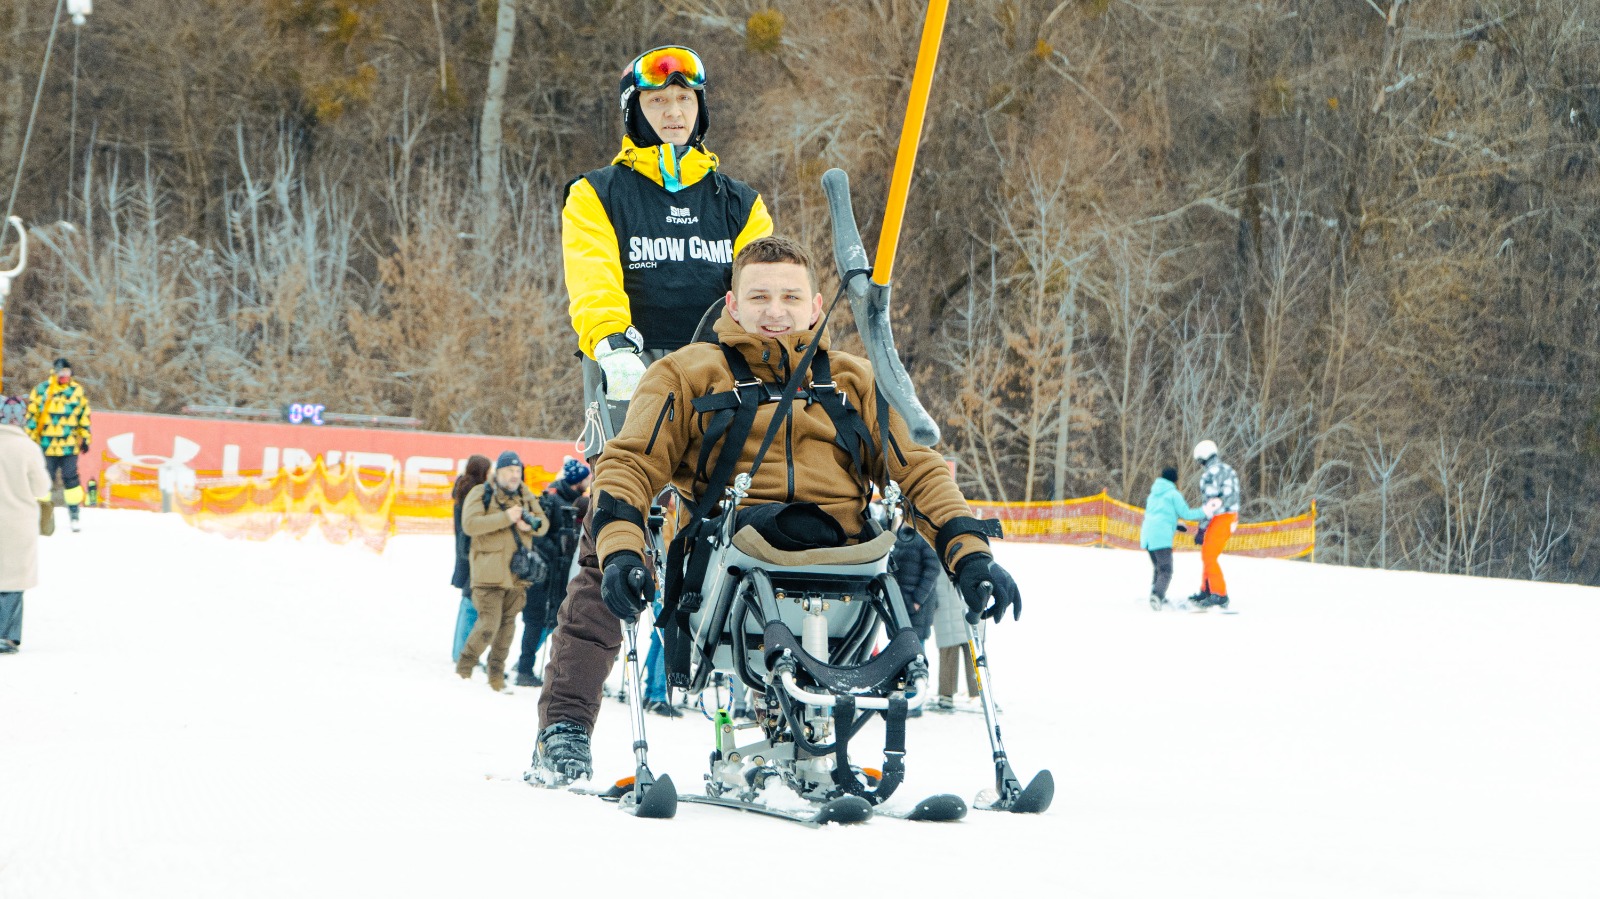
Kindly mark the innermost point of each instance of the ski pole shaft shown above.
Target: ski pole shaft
(910, 136)
(635, 705)
(1007, 787)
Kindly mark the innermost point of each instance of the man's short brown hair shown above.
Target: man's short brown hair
(771, 249)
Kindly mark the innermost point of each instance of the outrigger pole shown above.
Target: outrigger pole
(870, 287)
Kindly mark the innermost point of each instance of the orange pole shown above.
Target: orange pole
(910, 137)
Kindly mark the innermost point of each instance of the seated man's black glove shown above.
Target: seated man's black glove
(981, 581)
(627, 585)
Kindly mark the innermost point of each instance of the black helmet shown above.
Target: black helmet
(654, 70)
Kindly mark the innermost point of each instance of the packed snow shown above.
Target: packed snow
(197, 717)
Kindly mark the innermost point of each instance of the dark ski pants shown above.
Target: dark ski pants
(1161, 560)
(66, 467)
(582, 648)
(584, 644)
(534, 626)
(497, 624)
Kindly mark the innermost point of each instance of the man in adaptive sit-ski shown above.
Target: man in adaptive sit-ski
(827, 453)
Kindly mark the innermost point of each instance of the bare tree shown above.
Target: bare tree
(494, 98)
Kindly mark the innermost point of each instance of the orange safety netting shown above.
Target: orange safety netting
(367, 506)
(345, 504)
(340, 503)
(1100, 520)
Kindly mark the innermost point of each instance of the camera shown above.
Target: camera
(529, 520)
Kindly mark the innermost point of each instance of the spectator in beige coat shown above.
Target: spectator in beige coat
(23, 486)
(499, 515)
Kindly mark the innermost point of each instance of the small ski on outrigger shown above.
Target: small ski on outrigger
(1008, 795)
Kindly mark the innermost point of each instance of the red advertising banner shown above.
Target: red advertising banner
(178, 450)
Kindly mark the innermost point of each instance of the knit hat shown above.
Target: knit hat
(1170, 474)
(60, 363)
(13, 411)
(508, 458)
(573, 472)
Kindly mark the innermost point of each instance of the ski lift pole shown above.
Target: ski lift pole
(6, 278)
(905, 161)
(870, 288)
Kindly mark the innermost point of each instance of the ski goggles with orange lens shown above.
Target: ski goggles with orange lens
(657, 68)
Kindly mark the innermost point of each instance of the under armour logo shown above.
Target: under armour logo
(183, 452)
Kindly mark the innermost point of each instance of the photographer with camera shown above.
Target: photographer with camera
(502, 518)
(564, 503)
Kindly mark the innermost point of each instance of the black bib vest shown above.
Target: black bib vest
(676, 249)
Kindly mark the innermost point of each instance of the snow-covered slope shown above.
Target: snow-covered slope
(194, 717)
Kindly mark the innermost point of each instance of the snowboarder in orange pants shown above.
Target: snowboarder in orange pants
(1219, 487)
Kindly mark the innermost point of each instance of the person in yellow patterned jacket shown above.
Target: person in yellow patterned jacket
(58, 420)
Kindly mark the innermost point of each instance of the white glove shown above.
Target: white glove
(623, 369)
(1212, 505)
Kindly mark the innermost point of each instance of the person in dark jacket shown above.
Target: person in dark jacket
(916, 569)
(475, 473)
(560, 503)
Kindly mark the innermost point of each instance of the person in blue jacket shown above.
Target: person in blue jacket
(1162, 511)
(474, 473)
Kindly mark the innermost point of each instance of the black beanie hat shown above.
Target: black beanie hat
(639, 130)
(61, 363)
(509, 457)
(1170, 474)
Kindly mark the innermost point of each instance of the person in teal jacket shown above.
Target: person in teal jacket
(1163, 510)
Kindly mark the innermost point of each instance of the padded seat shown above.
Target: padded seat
(750, 542)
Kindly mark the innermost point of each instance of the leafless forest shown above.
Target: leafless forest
(1353, 241)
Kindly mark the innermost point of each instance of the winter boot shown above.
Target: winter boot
(1220, 601)
(1157, 601)
(663, 708)
(561, 756)
(529, 680)
(1200, 601)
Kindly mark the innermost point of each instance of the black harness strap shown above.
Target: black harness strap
(731, 425)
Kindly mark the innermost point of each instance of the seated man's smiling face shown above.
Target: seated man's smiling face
(775, 298)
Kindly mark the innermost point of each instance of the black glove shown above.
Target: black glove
(626, 585)
(981, 581)
(1200, 536)
(1183, 528)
